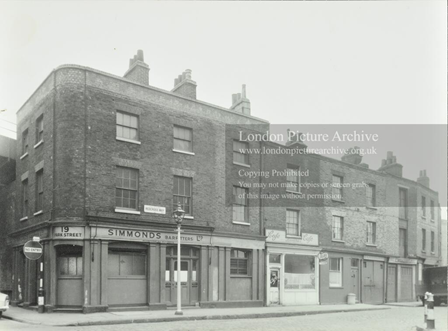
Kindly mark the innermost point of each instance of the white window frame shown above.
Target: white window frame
(333, 227)
(237, 152)
(293, 185)
(371, 233)
(182, 139)
(297, 224)
(130, 127)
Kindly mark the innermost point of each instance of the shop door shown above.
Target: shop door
(274, 288)
(355, 277)
(406, 284)
(188, 276)
(69, 280)
(373, 282)
(391, 283)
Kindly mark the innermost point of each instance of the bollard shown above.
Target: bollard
(425, 304)
(430, 322)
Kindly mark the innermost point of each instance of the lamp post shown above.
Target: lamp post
(178, 216)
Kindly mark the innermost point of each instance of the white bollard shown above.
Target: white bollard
(430, 322)
(426, 305)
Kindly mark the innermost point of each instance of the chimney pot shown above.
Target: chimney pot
(140, 55)
(138, 72)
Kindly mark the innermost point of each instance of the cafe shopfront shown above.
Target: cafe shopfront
(292, 267)
(100, 267)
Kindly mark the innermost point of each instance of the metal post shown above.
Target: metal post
(425, 303)
(179, 308)
(40, 294)
(430, 322)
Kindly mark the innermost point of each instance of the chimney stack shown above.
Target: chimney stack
(240, 103)
(138, 71)
(352, 156)
(423, 179)
(184, 85)
(391, 166)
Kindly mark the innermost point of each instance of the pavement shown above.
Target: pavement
(126, 317)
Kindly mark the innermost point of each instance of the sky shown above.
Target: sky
(305, 62)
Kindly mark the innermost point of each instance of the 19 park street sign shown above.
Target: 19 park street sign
(32, 250)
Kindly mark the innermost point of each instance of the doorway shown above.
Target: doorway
(189, 266)
(355, 277)
(274, 288)
(69, 276)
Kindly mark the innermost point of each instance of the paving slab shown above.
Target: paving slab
(128, 317)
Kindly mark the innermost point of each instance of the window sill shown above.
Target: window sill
(241, 164)
(241, 223)
(372, 245)
(336, 287)
(294, 192)
(23, 219)
(338, 241)
(127, 211)
(337, 200)
(371, 208)
(38, 144)
(38, 212)
(240, 276)
(189, 217)
(129, 141)
(24, 156)
(183, 152)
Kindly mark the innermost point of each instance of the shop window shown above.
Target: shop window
(335, 272)
(299, 272)
(240, 154)
(239, 262)
(122, 264)
(182, 194)
(183, 139)
(127, 126)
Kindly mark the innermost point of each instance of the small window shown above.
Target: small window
(127, 126)
(40, 129)
(182, 189)
(240, 152)
(293, 222)
(337, 187)
(70, 266)
(126, 191)
(338, 228)
(354, 263)
(371, 233)
(335, 272)
(423, 240)
(424, 206)
(239, 262)
(25, 142)
(183, 139)
(25, 198)
(371, 195)
(39, 190)
(240, 204)
(293, 180)
(403, 203)
(433, 242)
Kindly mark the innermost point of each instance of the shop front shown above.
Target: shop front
(292, 268)
(103, 266)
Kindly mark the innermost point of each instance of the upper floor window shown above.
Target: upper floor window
(127, 126)
(403, 242)
(293, 179)
(423, 240)
(423, 205)
(371, 233)
(25, 198)
(432, 209)
(337, 187)
(433, 238)
(239, 262)
(371, 195)
(240, 153)
(182, 193)
(39, 190)
(338, 228)
(25, 142)
(39, 128)
(240, 204)
(292, 222)
(183, 139)
(403, 203)
(126, 188)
